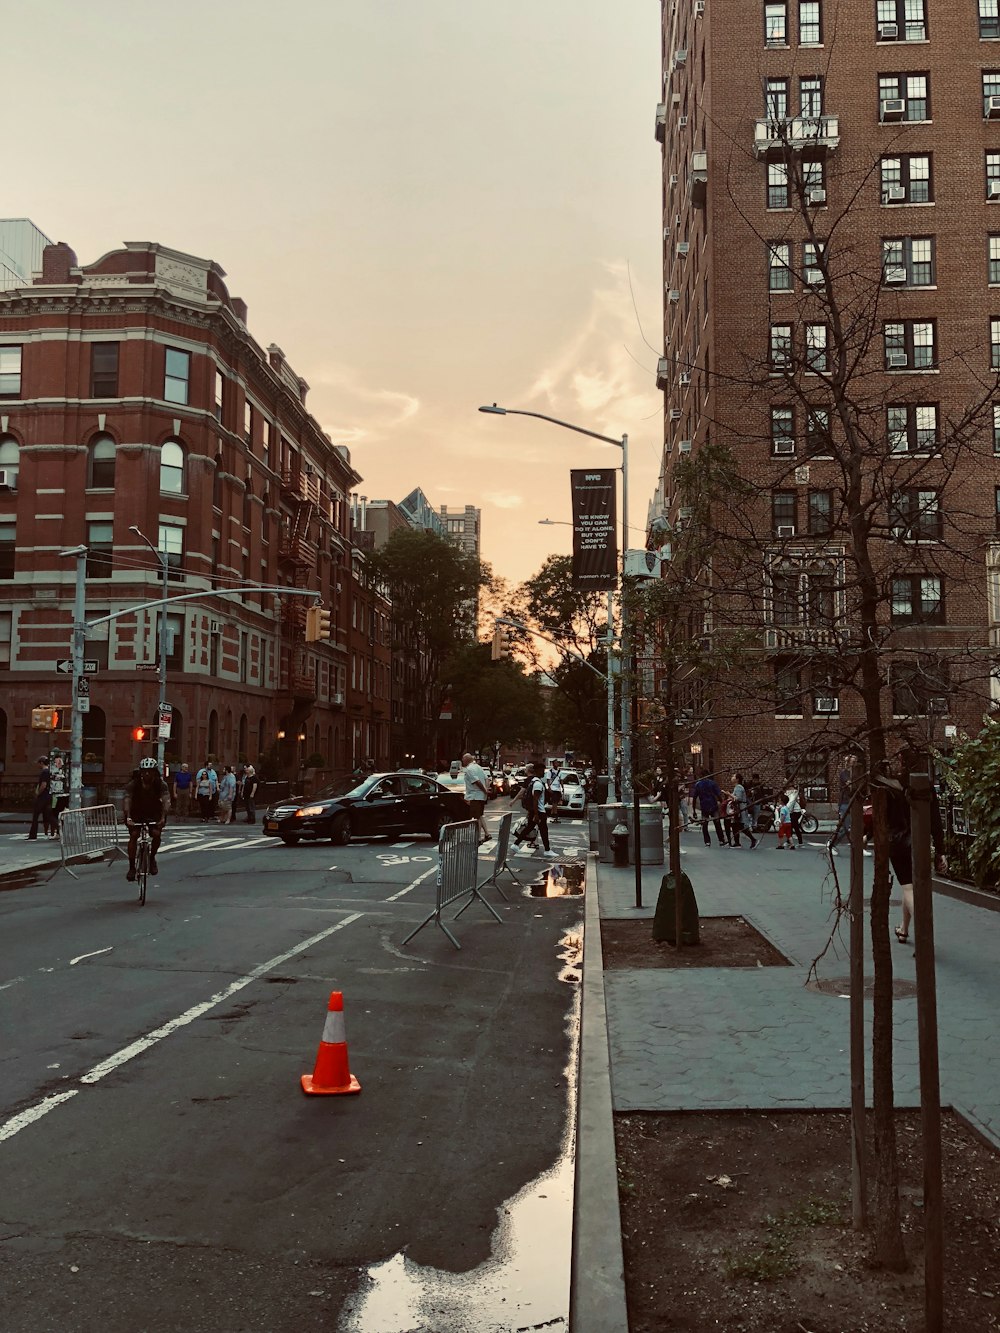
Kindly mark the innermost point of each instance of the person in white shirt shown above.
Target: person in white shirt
(537, 815)
(554, 795)
(476, 793)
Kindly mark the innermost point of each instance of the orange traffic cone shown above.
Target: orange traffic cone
(331, 1074)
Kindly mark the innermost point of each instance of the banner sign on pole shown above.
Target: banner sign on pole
(595, 528)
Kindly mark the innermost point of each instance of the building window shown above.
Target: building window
(908, 261)
(783, 505)
(220, 395)
(996, 520)
(265, 441)
(915, 515)
(782, 430)
(177, 376)
(993, 175)
(918, 599)
(10, 454)
(901, 20)
(818, 442)
(171, 543)
(813, 254)
(991, 93)
(248, 423)
(101, 463)
(787, 689)
(910, 89)
(989, 18)
(10, 372)
(781, 347)
(919, 688)
(100, 550)
(907, 179)
(820, 513)
(778, 191)
(995, 343)
(776, 99)
(810, 29)
(776, 24)
(171, 468)
(825, 693)
(911, 344)
(6, 639)
(816, 353)
(174, 625)
(912, 428)
(813, 178)
(996, 428)
(811, 96)
(8, 534)
(803, 594)
(104, 370)
(779, 273)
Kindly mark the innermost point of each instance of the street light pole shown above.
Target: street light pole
(161, 744)
(79, 640)
(621, 444)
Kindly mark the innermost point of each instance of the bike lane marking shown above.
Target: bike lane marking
(113, 1062)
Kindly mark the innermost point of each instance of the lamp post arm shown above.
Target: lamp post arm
(567, 425)
(205, 595)
(537, 633)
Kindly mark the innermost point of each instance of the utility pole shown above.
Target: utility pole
(161, 744)
(79, 641)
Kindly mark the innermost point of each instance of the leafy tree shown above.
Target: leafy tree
(973, 774)
(491, 701)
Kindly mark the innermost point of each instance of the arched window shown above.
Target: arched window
(261, 739)
(94, 741)
(243, 737)
(172, 468)
(101, 463)
(9, 455)
(213, 735)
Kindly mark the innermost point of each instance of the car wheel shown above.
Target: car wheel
(440, 819)
(289, 842)
(340, 831)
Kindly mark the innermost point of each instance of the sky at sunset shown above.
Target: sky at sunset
(428, 204)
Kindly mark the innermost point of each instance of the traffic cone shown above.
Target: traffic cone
(331, 1074)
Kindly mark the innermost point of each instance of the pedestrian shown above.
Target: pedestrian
(226, 794)
(554, 793)
(181, 791)
(238, 774)
(784, 817)
(42, 803)
(206, 787)
(755, 794)
(795, 812)
(147, 798)
(845, 794)
(537, 808)
(250, 793)
(476, 793)
(708, 794)
(898, 798)
(741, 818)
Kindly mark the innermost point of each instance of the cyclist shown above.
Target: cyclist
(147, 799)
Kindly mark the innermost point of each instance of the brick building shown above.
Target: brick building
(825, 156)
(132, 394)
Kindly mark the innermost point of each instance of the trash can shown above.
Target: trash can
(594, 827)
(620, 844)
(608, 817)
(601, 785)
(650, 833)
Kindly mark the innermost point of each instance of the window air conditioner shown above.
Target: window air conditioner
(888, 32)
(685, 377)
(675, 99)
(680, 59)
(993, 107)
(895, 360)
(893, 108)
(675, 414)
(682, 122)
(683, 247)
(894, 194)
(817, 195)
(674, 179)
(215, 627)
(685, 514)
(785, 530)
(699, 8)
(898, 532)
(993, 190)
(674, 295)
(684, 447)
(784, 446)
(894, 275)
(825, 705)
(677, 219)
(7, 479)
(814, 277)
(337, 700)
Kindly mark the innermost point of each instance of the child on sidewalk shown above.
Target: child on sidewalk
(785, 826)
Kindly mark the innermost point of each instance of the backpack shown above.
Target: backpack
(526, 804)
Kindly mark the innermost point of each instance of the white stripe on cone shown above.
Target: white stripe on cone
(335, 1029)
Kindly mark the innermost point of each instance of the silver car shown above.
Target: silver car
(574, 798)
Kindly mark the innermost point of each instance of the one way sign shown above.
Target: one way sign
(64, 667)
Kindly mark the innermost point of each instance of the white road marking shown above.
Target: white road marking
(7, 984)
(33, 1113)
(410, 886)
(81, 956)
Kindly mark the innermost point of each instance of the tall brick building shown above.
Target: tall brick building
(823, 157)
(132, 393)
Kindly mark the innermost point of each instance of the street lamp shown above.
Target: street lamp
(621, 444)
(161, 744)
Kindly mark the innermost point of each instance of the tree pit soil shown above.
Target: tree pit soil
(726, 941)
(742, 1222)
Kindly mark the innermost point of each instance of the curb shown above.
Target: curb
(597, 1280)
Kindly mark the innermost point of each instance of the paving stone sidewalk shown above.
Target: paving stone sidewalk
(731, 1038)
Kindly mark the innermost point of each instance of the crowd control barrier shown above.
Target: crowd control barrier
(501, 865)
(94, 829)
(457, 874)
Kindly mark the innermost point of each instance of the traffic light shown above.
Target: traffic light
(139, 733)
(45, 718)
(497, 652)
(318, 624)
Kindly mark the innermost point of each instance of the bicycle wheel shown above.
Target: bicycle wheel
(142, 870)
(809, 824)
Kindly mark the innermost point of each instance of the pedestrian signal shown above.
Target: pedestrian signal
(45, 718)
(138, 733)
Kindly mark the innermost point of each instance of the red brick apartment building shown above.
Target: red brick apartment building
(132, 393)
(848, 146)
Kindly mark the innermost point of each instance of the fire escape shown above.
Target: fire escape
(297, 557)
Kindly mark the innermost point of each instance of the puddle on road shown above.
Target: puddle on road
(525, 1283)
(560, 881)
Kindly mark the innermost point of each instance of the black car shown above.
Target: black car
(381, 803)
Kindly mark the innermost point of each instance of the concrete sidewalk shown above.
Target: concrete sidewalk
(731, 1039)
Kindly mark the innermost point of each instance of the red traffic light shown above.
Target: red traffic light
(138, 733)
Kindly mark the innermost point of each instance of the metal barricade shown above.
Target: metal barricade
(94, 829)
(500, 863)
(456, 877)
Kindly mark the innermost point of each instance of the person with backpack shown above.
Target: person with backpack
(534, 803)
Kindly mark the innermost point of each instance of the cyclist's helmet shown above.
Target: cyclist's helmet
(148, 762)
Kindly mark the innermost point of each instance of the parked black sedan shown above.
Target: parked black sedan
(381, 803)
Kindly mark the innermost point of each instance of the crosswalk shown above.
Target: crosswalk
(180, 841)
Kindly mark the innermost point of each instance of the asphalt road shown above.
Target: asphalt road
(162, 1169)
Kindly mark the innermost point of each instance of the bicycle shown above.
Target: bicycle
(143, 858)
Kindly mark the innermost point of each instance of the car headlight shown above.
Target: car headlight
(308, 810)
